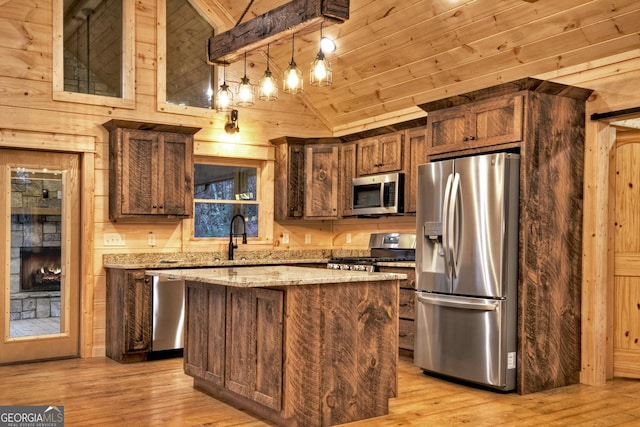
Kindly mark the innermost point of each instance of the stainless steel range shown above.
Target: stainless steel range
(383, 247)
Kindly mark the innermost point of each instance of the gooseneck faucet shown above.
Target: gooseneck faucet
(232, 245)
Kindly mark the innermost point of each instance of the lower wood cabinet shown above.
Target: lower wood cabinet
(234, 340)
(128, 315)
(313, 355)
(406, 307)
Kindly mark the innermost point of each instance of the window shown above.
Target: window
(222, 191)
(185, 80)
(94, 52)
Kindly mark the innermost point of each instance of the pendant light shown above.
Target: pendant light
(321, 74)
(292, 81)
(268, 87)
(246, 92)
(224, 97)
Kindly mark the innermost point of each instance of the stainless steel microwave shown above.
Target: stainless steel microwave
(378, 194)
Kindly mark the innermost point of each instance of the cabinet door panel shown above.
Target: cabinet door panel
(268, 332)
(389, 153)
(295, 190)
(138, 312)
(240, 361)
(195, 356)
(176, 191)
(321, 196)
(367, 157)
(446, 129)
(498, 122)
(415, 154)
(138, 183)
(348, 172)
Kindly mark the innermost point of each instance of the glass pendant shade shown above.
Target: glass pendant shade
(246, 92)
(321, 74)
(268, 90)
(224, 96)
(292, 81)
(268, 85)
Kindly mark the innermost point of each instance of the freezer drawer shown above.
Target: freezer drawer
(467, 338)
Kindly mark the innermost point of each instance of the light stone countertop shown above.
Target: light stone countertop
(270, 276)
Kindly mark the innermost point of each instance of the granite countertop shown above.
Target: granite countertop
(219, 259)
(270, 276)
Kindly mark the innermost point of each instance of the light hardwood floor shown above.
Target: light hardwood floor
(100, 391)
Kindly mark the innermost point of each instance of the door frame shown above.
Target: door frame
(85, 146)
(598, 251)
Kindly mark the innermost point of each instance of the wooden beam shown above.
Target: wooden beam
(298, 16)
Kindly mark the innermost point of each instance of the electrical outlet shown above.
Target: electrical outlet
(285, 238)
(151, 239)
(307, 238)
(114, 239)
(348, 237)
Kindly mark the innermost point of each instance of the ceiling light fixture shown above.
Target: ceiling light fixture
(268, 86)
(224, 97)
(231, 126)
(246, 92)
(321, 74)
(292, 81)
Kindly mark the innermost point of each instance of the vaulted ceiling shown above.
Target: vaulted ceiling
(393, 55)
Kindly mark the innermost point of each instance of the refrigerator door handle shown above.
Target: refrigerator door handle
(452, 226)
(445, 226)
(492, 306)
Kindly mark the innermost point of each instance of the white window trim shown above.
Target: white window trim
(128, 61)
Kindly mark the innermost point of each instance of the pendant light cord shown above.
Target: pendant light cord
(244, 13)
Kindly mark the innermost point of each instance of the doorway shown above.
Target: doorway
(626, 295)
(40, 280)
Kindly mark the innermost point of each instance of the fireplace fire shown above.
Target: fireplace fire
(40, 269)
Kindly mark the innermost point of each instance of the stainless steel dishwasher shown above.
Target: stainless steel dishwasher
(168, 314)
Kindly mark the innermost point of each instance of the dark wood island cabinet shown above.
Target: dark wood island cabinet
(298, 346)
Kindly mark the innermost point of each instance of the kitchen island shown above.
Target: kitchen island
(297, 346)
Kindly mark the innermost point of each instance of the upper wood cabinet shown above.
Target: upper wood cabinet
(321, 181)
(416, 149)
(347, 172)
(150, 171)
(380, 154)
(289, 178)
(480, 124)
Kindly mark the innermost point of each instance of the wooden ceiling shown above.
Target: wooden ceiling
(393, 55)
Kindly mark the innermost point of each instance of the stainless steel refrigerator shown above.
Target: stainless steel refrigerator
(466, 268)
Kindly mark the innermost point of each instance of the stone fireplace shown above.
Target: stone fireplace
(40, 269)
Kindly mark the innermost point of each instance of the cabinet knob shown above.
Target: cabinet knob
(403, 304)
(473, 138)
(465, 139)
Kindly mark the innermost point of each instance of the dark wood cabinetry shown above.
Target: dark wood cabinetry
(480, 124)
(406, 307)
(234, 340)
(306, 179)
(347, 171)
(295, 355)
(150, 171)
(128, 315)
(416, 149)
(380, 154)
(321, 181)
(289, 179)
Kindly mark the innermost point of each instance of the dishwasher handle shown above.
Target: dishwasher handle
(427, 299)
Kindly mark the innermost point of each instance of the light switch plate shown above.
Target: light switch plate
(307, 238)
(285, 238)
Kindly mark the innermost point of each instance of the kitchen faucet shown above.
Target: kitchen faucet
(232, 245)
